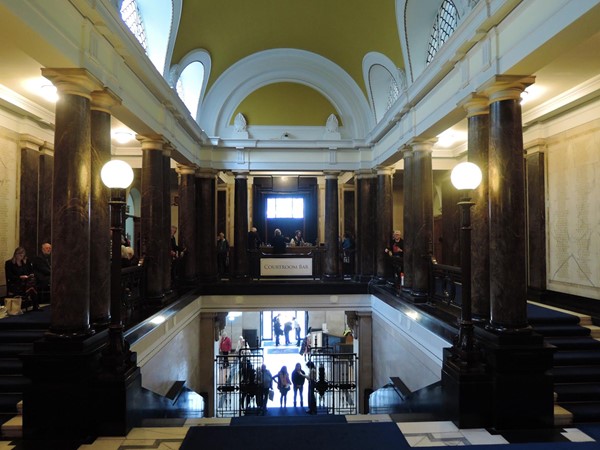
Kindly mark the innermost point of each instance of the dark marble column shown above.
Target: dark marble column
(384, 221)
(241, 269)
(366, 232)
(206, 192)
(478, 142)
(28, 196)
(187, 221)
(166, 220)
(408, 219)
(70, 288)
(46, 175)
(152, 224)
(100, 242)
(332, 233)
(422, 244)
(536, 216)
(508, 269)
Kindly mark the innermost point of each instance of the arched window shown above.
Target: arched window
(130, 13)
(189, 86)
(152, 23)
(444, 24)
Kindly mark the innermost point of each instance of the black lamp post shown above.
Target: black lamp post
(116, 175)
(465, 177)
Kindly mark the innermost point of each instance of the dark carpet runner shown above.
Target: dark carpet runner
(576, 371)
(297, 436)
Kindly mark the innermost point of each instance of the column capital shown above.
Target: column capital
(30, 142)
(104, 100)
(476, 105)
(168, 149)
(331, 174)
(151, 142)
(385, 170)
(422, 145)
(506, 87)
(241, 174)
(204, 172)
(183, 169)
(536, 146)
(75, 81)
(362, 174)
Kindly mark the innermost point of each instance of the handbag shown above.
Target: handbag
(271, 394)
(13, 306)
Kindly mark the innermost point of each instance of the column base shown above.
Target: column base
(467, 392)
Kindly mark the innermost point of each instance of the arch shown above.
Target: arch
(195, 56)
(175, 20)
(292, 65)
(381, 78)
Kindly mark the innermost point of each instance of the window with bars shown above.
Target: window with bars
(444, 25)
(130, 14)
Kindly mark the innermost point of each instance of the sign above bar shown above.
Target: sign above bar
(286, 267)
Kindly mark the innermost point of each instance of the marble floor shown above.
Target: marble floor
(418, 434)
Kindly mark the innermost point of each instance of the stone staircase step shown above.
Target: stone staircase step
(13, 428)
(562, 417)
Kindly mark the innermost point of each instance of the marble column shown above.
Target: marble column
(384, 221)
(361, 324)
(408, 221)
(70, 289)
(508, 238)
(152, 224)
(100, 243)
(46, 175)
(187, 221)
(332, 233)
(422, 244)
(241, 270)
(166, 218)
(478, 142)
(29, 194)
(365, 232)
(206, 200)
(209, 335)
(536, 215)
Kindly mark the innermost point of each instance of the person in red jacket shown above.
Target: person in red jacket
(225, 348)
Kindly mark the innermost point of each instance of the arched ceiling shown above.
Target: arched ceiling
(342, 31)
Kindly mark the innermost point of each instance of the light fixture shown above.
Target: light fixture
(117, 174)
(49, 92)
(123, 136)
(116, 358)
(466, 175)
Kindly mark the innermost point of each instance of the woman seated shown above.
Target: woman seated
(20, 280)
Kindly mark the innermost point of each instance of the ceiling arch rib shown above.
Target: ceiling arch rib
(285, 65)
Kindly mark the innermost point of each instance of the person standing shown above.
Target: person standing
(298, 379)
(277, 331)
(222, 254)
(287, 327)
(266, 384)
(312, 384)
(254, 241)
(283, 385)
(278, 242)
(20, 280)
(225, 348)
(297, 330)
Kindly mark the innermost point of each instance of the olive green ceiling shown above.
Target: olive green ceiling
(343, 31)
(284, 104)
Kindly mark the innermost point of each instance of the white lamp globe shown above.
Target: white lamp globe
(466, 175)
(116, 174)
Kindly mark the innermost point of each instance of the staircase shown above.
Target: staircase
(17, 335)
(576, 370)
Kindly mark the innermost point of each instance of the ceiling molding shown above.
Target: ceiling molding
(285, 65)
